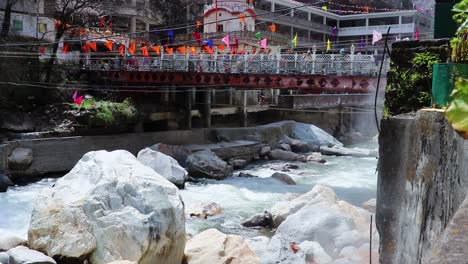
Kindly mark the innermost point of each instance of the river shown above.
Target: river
(353, 179)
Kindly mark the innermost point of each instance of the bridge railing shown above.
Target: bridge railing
(303, 64)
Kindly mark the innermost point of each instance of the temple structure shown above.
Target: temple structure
(223, 16)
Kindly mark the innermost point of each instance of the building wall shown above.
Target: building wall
(229, 21)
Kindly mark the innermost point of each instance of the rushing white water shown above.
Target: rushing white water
(353, 179)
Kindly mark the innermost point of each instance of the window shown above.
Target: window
(17, 25)
(220, 28)
(42, 28)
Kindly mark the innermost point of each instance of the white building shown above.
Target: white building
(223, 16)
(29, 21)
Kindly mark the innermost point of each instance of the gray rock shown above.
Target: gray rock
(24, 255)
(342, 151)
(291, 167)
(20, 158)
(9, 241)
(284, 146)
(4, 258)
(284, 178)
(262, 219)
(299, 146)
(246, 175)
(179, 153)
(238, 163)
(5, 182)
(279, 154)
(205, 164)
(16, 121)
(313, 136)
(265, 151)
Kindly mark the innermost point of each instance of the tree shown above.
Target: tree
(7, 17)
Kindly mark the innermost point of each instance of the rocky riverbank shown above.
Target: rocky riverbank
(113, 206)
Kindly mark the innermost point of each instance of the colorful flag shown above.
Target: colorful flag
(209, 43)
(132, 48)
(77, 100)
(242, 18)
(192, 50)
(109, 45)
(227, 41)
(198, 24)
(258, 35)
(110, 25)
(263, 43)
(376, 36)
(93, 46)
(102, 21)
(221, 47)
(144, 50)
(416, 34)
(272, 27)
(209, 49)
(42, 50)
(65, 47)
(294, 41)
(197, 37)
(122, 50)
(156, 49)
(85, 47)
(328, 45)
(325, 8)
(182, 50)
(334, 33)
(170, 51)
(170, 33)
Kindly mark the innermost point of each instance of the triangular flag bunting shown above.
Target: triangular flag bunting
(325, 8)
(227, 41)
(132, 48)
(221, 47)
(272, 27)
(170, 51)
(75, 95)
(93, 46)
(294, 41)
(209, 43)
(242, 18)
(65, 47)
(376, 36)
(42, 50)
(192, 50)
(156, 49)
(109, 45)
(198, 24)
(197, 37)
(78, 100)
(416, 34)
(263, 43)
(182, 50)
(122, 50)
(328, 45)
(258, 35)
(144, 50)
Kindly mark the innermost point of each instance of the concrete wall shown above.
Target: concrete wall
(422, 182)
(54, 155)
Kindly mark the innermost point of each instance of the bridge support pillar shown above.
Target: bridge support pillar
(207, 107)
(243, 109)
(230, 95)
(188, 108)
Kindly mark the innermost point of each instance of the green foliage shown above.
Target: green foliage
(108, 113)
(459, 43)
(457, 110)
(409, 85)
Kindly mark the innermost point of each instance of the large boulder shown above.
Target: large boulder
(313, 136)
(342, 151)
(9, 241)
(238, 163)
(20, 158)
(110, 207)
(262, 219)
(5, 182)
(4, 258)
(179, 153)
(279, 154)
(205, 164)
(214, 247)
(258, 245)
(24, 255)
(165, 165)
(284, 178)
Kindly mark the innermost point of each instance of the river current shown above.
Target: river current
(353, 179)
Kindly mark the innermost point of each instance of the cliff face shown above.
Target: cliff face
(422, 180)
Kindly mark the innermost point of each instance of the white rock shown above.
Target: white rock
(342, 151)
(258, 244)
(20, 158)
(214, 247)
(370, 205)
(110, 207)
(4, 258)
(279, 251)
(205, 164)
(348, 251)
(24, 255)
(205, 210)
(313, 136)
(314, 252)
(122, 262)
(9, 241)
(165, 165)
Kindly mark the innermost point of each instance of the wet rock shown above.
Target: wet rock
(16, 121)
(204, 211)
(314, 253)
(296, 145)
(284, 146)
(20, 158)
(284, 178)
(279, 154)
(5, 182)
(316, 157)
(291, 166)
(342, 151)
(247, 175)
(313, 136)
(205, 164)
(9, 241)
(370, 205)
(179, 153)
(105, 208)
(214, 247)
(238, 163)
(264, 151)
(24, 255)
(165, 165)
(262, 219)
